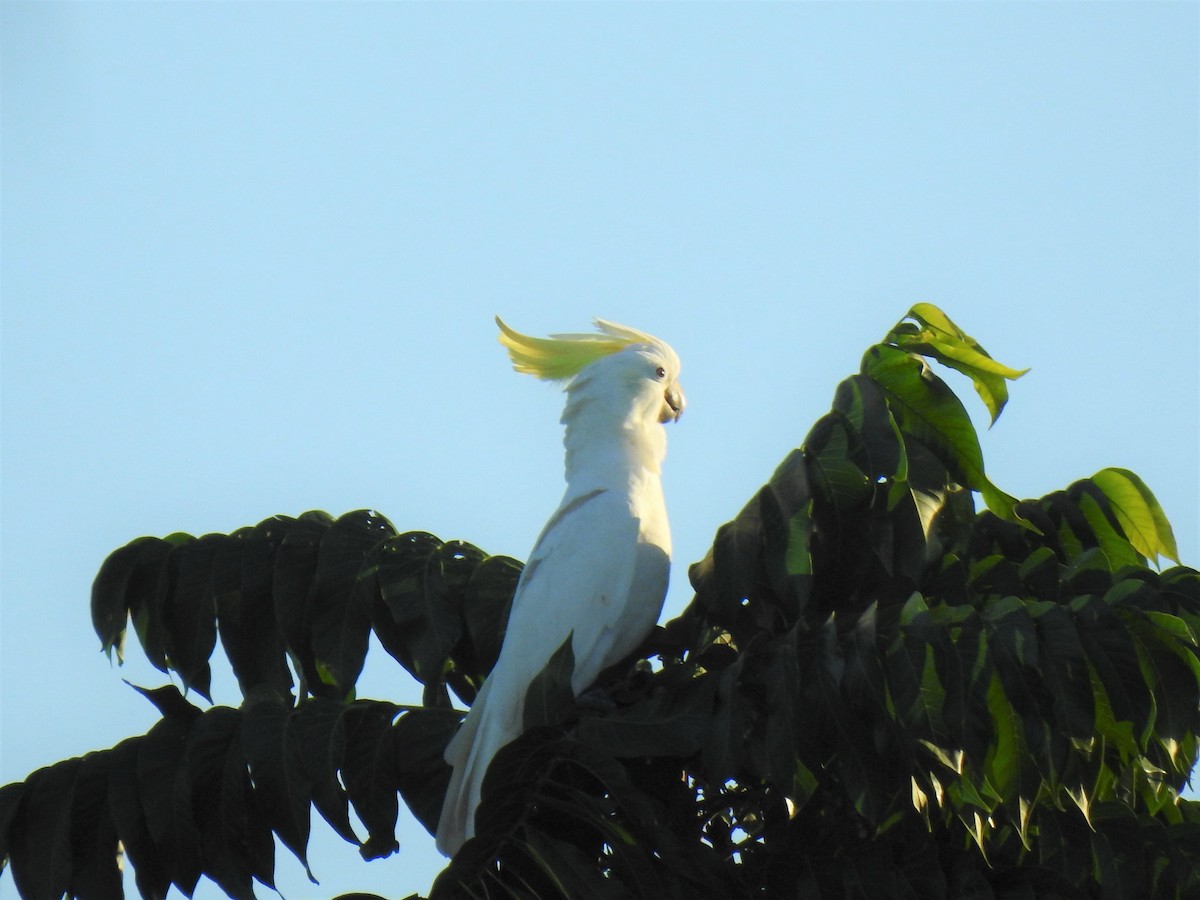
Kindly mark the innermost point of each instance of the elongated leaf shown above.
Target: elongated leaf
(1117, 549)
(1139, 513)
(150, 868)
(242, 584)
(941, 339)
(572, 872)
(294, 577)
(317, 744)
(166, 800)
(486, 606)
(879, 447)
(670, 724)
(190, 614)
(419, 738)
(549, 697)
(216, 781)
(422, 580)
(94, 871)
(369, 772)
(281, 783)
(1064, 670)
(168, 701)
(340, 601)
(927, 410)
(40, 842)
(1114, 660)
(724, 747)
(123, 582)
(783, 743)
(10, 801)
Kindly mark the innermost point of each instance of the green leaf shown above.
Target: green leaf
(572, 872)
(123, 580)
(40, 849)
(249, 631)
(1118, 551)
(368, 769)
(189, 613)
(549, 697)
(166, 801)
(419, 738)
(340, 603)
(295, 572)
(780, 745)
(280, 782)
(927, 411)
(125, 808)
(944, 341)
(489, 595)
(833, 472)
(672, 723)
(798, 558)
(1140, 516)
(217, 786)
(94, 872)
(317, 742)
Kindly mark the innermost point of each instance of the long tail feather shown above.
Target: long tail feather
(485, 730)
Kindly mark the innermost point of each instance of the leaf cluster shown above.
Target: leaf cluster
(876, 691)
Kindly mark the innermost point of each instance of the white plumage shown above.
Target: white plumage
(599, 569)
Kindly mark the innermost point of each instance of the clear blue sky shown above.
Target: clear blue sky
(251, 255)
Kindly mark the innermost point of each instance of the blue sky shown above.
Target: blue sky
(251, 255)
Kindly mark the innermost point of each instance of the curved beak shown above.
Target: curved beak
(673, 404)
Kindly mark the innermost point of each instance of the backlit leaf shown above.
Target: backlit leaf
(1139, 513)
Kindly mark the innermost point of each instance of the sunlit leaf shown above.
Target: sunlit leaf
(927, 410)
(944, 341)
(1139, 513)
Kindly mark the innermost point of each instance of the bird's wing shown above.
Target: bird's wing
(589, 575)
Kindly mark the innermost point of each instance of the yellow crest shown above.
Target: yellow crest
(562, 356)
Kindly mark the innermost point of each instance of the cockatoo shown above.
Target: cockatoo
(598, 571)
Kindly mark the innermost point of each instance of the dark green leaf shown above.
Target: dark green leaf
(419, 738)
(93, 834)
(672, 723)
(189, 613)
(10, 800)
(549, 697)
(166, 799)
(40, 834)
(928, 411)
(369, 772)
(219, 802)
(150, 869)
(295, 574)
(345, 584)
(123, 584)
(1064, 670)
(281, 785)
(489, 595)
(317, 746)
(242, 585)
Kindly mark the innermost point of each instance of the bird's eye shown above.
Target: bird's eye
(660, 372)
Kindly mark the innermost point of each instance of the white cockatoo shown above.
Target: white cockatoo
(599, 569)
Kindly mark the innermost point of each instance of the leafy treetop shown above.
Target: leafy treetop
(876, 691)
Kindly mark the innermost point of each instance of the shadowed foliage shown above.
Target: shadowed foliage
(877, 691)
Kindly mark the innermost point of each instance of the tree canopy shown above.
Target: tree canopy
(877, 691)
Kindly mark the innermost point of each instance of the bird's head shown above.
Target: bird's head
(636, 368)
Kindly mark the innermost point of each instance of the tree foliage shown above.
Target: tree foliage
(877, 691)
